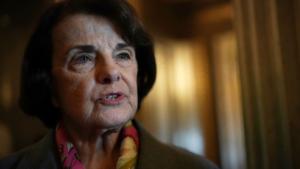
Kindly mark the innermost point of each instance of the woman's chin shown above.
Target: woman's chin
(110, 120)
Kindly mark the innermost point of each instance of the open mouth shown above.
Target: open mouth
(112, 96)
(111, 99)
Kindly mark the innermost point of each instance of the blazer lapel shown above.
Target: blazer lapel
(152, 153)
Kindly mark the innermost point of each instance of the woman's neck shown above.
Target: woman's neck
(97, 148)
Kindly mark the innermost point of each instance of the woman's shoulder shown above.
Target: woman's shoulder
(155, 154)
(185, 159)
(39, 154)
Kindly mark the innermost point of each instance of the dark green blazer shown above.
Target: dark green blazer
(152, 155)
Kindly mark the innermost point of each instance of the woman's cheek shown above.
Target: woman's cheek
(74, 92)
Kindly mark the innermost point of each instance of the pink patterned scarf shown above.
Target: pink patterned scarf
(128, 156)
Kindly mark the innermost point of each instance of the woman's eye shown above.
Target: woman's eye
(83, 62)
(123, 56)
(82, 59)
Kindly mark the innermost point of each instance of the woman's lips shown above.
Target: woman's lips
(112, 99)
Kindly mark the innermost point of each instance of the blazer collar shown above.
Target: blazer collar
(152, 154)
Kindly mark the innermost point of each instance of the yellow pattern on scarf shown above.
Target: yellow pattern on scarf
(128, 156)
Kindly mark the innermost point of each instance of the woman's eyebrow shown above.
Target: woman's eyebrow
(122, 46)
(92, 49)
(84, 48)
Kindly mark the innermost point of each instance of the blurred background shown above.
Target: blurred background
(228, 82)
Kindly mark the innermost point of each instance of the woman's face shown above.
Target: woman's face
(94, 73)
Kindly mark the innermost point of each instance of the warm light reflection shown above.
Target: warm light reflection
(229, 103)
(176, 113)
(183, 73)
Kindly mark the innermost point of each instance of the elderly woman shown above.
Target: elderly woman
(87, 67)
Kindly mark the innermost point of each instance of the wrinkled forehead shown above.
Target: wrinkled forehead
(84, 25)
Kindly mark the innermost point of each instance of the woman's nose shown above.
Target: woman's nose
(108, 73)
